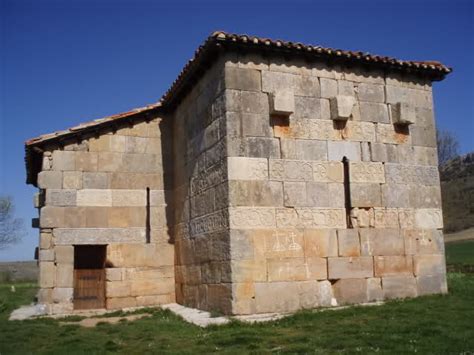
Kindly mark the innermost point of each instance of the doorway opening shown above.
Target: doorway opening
(89, 276)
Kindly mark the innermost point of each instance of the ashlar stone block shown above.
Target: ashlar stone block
(393, 265)
(72, 180)
(282, 102)
(371, 93)
(399, 287)
(94, 197)
(328, 87)
(62, 294)
(428, 218)
(383, 242)
(50, 180)
(47, 274)
(64, 160)
(56, 197)
(341, 107)
(244, 168)
(340, 149)
(374, 112)
(348, 242)
(242, 79)
(365, 195)
(296, 269)
(64, 275)
(366, 172)
(320, 243)
(294, 194)
(428, 265)
(350, 291)
(64, 254)
(432, 284)
(350, 267)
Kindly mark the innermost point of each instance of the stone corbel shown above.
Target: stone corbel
(403, 114)
(282, 102)
(341, 107)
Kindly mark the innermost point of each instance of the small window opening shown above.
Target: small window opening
(347, 192)
(148, 224)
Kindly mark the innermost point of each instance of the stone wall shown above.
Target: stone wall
(201, 196)
(293, 244)
(95, 192)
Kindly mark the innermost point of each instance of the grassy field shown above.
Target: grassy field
(434, 324)
(461, 252)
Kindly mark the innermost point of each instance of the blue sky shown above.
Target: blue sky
(65, 62)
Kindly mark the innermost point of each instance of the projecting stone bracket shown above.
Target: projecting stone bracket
(341, 107)
(282, 102)
(403, 114)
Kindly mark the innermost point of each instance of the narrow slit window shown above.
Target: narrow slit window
(347, 191)
(148, 224)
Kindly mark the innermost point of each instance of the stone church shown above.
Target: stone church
(272, 176)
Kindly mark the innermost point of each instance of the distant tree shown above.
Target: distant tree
(11, 228)
(448, 146)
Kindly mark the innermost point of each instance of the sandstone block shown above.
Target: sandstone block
(433, 284)
(57, 197)
(366, 195)
(366, 172)
(45, 241)
(393, 266)
(294, 194)
(320, 243)
(45, 295)
(350, 267)
(155, 300)
(64, 254)
(110, 161)
(325, 109)
(51, 216)
(362, 217)
(427, 265)
(328, 171)
(47, 274)
(328, 88)
(308, 294)
(383, 242)
(326, 295)
(310, 149)
(114, 274)
(63, 160)
(389, 217)
(121, 302)
(277, 244)
(339, 150)
(287, 300)
(348, 291)
(128, 197)
(403, 114)
(92, 180)
(324, 194)
(301, 85)
(82, 236)
(348, 242)
(428, 218)
(72, 180)
(62, 294)
(94, 197)
(390, 134)
(50, 180)
(358, 131)
(249, 271)
(151, 287)
(307, 108)
(425, 196)
(374, 112)
(97, 217)
(396, 195)
(87, 161)
(422, 242)
(371, 93)
(282, 102)
(252, 218)
(345, 87)
(64, 275)
(137, 145)
(242, 79)
(262, 147)
(252, 102)
(46, 255)
(374, 289)
(252, 125)
(255, 193)
(399, 287)
(118, 289)
(296, 269)
(341, 107)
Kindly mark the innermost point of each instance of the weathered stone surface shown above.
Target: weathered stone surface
(348, 242)
(50, 179)
(358, 131)
(56, 197)
(429, 218)
(374, 112)
(383, 242)
(396, 195)
(62, 294)
(374, 289)
(128, 197)
(341, 107)
(371, 93)
(92, 180)
(63, 160)
(242, 79)
(94, 197)
(320, 243)
(349, 291)
(262, 147)
(297, 269)
(328, 88)
(121, 302)
(64, 254)
(388, 218)
(51, 216)
(350, 267)
(388, 133)
(64, 275)
(255, 193)
(393, 266)
(249, 125)
(428, 265)
(324, 194)
(45, 240)
(247, 217)
(301, 85)
(307, 108)
(282, 102)
(114, 274)
(432, 284)
(310, 217)
(46, 255)
(287, 300)
(403, 114)
(294, 194)
(310, 150)
(425, 197)
(366, 172)
(339, 150)
(291, 170)
(47, 274)
(422, 242)
(72, 180)
(366, 195)
(362, 217)
(70, 236)
(87, 161)
(399, 287)
(345, 88)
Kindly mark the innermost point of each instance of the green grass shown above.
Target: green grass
(460, 253)
(433, 324)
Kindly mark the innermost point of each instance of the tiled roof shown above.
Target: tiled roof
(210, 49)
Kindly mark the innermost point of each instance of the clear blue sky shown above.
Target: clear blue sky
(65, 62)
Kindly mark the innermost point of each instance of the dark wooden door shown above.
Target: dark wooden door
(89, 288)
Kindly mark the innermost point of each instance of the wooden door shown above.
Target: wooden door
(89, 276)
(89, 288)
